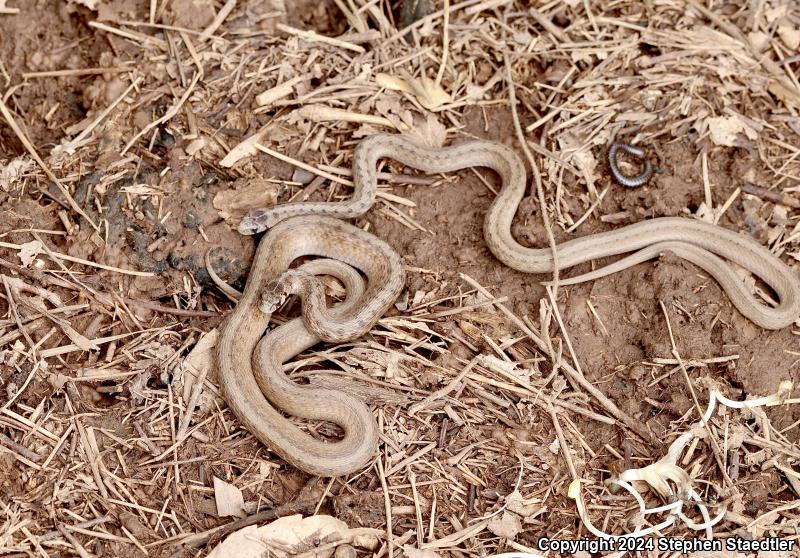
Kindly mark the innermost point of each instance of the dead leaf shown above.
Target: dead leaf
(506, 525)
(58, 381)
(736, 437)
(196, 146)
(389, 104)
(366, 130)
(516, 503)
(201, 357)
(574, 150)
(243, 543)
(774, 13)
(199, 362)
(725, 130)
(229, 499)
(392, 82)
(247, 148)
(133, 524)
(430, 133)
(245, 196)
(29, 252)
(11, 172)
(429, 94)
(790, 35)
(758, 40)
(284, 537)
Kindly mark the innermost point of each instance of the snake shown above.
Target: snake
(249, 362)
(623, 179)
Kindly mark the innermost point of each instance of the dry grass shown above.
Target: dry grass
(111, 425)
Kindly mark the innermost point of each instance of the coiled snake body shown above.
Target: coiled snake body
(238, 377)
(705, 245)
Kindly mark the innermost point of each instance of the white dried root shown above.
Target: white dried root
(658, 475)
(574, 492)
(777, 398)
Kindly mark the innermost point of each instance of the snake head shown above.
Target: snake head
(252, 223)
(272, 299)
(278, 290)
(260, 220)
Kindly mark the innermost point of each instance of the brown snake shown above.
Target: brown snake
(241, 371)
(292, 236)
(287, 341)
